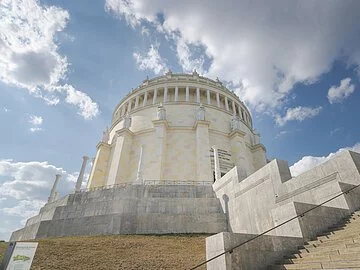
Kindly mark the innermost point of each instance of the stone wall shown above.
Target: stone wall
(270, 196)
(131, 209)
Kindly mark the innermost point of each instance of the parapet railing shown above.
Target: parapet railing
(273, 228)
(149, 183)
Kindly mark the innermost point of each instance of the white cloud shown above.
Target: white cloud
(29, 54)
(264, 48)
(297, 114)
(87, 108)
(308, 162)
(35, 122)
(6, 110)
(151, 61)
(186, 60)
(337, 94)
(24, 208)
(31, 180)
(25, 187)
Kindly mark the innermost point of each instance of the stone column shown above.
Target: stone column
(234, 108)
(176, 94)
(198, 95)
(226, 104)
(136, 102)
(91, 171)
(165, 94)
(53, 190)
(145, 99)
(208, 96)
(155, 97)
(203, 163)
(129, 106)
(187, 94)
(218, 99)
(81, 174)
(216, 163)
(139, 175)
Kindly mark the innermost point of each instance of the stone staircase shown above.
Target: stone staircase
(338, 248)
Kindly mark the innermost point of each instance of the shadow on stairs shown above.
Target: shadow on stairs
(338, 248)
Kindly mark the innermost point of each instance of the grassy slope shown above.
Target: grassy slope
(120, 252)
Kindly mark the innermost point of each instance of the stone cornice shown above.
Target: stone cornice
(100, 144)
(124, 131)
(237, 133)
(257, 147)
(202, 123)
(160, 122)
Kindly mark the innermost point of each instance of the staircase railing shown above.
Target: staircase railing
(275, 227)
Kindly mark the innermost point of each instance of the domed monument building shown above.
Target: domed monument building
(177, 129)
(181, 156)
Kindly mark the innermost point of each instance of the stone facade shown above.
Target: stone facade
(177, 118)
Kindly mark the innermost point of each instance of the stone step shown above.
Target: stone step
(330, 242)
(331, 237)
(340, 264)
(325, 258)
(296, 266)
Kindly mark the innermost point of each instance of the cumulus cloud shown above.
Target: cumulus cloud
(297, 114)
(151, 61)
(263, 48)
(25, 187)
(337, 94)
(308, 162)
(29, 54)
(35, 122)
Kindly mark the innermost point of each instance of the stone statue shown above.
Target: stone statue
(169, 73)
(201, 113)
(256, 137)
(106, 135)
(195, 74)
(235, 123)
(161, 113)
(127, 121)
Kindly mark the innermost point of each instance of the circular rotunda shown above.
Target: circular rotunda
(177, 128)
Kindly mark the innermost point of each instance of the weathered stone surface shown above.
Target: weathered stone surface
(133, 209)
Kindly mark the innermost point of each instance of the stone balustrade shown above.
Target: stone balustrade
(182, 88)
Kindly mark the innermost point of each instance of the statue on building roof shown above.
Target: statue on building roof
(106, 135)
(161, 112)
(201, 113)
(127, 121)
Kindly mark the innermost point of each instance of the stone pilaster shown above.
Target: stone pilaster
(81, 174)
(100, 166)
(203, 151)
(187, 94)
(238, 154)
(198, 95)
(120, 153)
(160, 150)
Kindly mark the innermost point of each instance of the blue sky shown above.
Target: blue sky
(64, 65)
